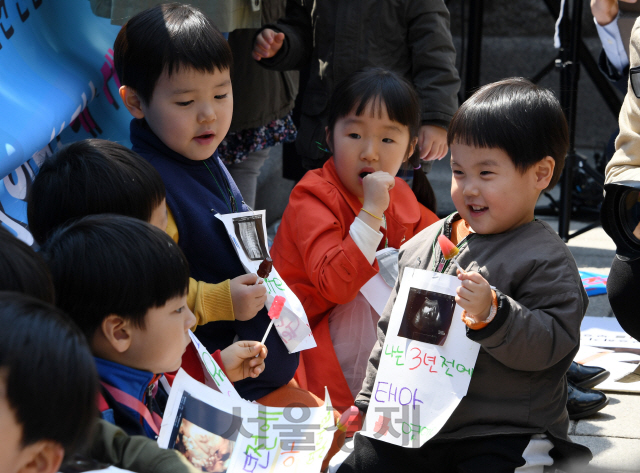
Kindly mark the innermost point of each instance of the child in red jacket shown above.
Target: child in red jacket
(340, 215)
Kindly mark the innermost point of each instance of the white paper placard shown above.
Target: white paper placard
(223, 434)
(624, 368)
(248, 232)
(426, 363)
(605, 332)
(214, 377)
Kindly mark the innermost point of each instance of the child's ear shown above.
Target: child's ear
(544, 172)
(411, 149)
(131, 101)
(45, 457)
(327, 136)
(117, 331)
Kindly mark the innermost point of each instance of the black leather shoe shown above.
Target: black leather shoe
(586, 376)
(584, 402)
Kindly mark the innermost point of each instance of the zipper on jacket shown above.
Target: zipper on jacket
(149, 399)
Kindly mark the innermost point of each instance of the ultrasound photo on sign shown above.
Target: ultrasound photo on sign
(250, 232)
(427, 316)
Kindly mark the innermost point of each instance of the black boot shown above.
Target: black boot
(586, 376)
(584, 402)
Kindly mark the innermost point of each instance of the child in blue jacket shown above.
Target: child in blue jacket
(174, 68)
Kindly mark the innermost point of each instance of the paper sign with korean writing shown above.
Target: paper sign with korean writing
(217, 433)
(214, 377)
(426, 362)
(248, 232)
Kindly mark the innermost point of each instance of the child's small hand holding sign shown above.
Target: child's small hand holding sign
(476, 297)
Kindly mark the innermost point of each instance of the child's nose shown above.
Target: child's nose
(207, 114)
(369, 151)
(189, 320)
(470, 189)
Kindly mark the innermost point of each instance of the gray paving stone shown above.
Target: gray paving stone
(611, 454)
(621, 418)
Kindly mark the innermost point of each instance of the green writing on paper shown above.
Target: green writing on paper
(452, 364)
(214, 370)
(413, 429)
(394, 352)
(274, 285)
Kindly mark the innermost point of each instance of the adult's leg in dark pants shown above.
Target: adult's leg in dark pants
(623, 287)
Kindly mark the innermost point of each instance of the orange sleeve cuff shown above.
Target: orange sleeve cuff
(471, 322)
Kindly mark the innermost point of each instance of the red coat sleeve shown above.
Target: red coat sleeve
(332, 261)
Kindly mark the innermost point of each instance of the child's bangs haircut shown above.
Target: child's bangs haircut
(518, 117)
(376, 86)
(48, 372)
(23, 270)
(167, 37)
(91, 177)
(110, 264)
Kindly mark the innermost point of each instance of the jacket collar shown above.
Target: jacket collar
(129, 380)
(145, 140)
(403, 208)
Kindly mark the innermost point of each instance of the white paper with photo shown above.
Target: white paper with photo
(248, 232)
(226, 435)
(214, 377)
(426, 362)
(624, 368)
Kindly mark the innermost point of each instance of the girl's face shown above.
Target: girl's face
(368, 143)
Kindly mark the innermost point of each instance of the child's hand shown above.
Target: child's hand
(432, 142)
(240, 359)
(247, 297)
(376, 187)
(267, 44)
(474, 295)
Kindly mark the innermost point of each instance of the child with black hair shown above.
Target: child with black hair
(124, 282)
(97, 176)
(174, 67)
(23, 271)
(358, 206)
(40, 426)
(508, 143)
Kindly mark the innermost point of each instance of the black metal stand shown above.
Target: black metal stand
(573, 54)
(474, 47)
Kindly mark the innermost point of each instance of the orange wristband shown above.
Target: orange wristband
(471, 322)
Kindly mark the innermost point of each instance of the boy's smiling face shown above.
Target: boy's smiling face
(190, 111)
(490, 193)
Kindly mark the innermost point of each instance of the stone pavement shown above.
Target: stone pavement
(613, 434)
